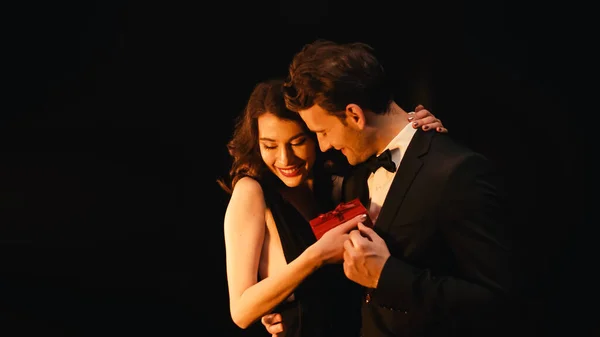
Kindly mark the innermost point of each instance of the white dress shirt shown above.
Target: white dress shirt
(379, 182)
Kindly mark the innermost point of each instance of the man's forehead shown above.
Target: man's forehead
(315, 115)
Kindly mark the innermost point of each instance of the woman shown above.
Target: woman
(278, 181)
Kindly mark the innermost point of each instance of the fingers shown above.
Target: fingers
(273, 323)
(423, 118)
(351, 224)
(358, 239)
(366, 231)
(269, 319)
(354, 237)
(349, 250)
(275, 329)
(422, 113)
(429, 123)
(347, 247)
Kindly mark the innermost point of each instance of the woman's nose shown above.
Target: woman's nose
(285, 155)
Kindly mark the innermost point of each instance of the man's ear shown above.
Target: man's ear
(355, 116)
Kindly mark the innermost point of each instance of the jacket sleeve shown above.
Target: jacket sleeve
(472, 225)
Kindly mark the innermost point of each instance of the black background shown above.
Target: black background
(117, 113)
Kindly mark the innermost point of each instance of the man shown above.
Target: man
(437, 262)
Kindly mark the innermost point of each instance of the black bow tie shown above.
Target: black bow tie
(383, 160)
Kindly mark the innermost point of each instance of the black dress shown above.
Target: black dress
(326, 303)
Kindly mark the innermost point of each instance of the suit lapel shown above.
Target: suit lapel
(408, 169)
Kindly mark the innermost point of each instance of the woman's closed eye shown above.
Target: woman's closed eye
(297, 142)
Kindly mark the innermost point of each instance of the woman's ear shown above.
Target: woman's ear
(355, 116)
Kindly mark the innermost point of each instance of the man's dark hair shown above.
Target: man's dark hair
(334, 75)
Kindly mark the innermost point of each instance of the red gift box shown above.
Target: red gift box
(343, 212)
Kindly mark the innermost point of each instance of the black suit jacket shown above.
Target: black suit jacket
(443, 221)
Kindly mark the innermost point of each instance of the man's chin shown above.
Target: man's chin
(352, 161)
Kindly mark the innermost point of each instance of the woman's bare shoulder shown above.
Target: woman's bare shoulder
(248, 187)
(247, 203)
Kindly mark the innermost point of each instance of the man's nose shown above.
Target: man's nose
(324, 146)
